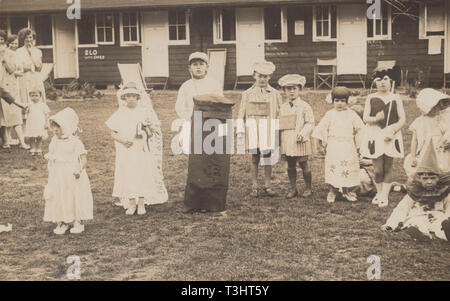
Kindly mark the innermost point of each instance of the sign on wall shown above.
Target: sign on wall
(92, 54)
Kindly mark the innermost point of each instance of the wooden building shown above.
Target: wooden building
(160, 34)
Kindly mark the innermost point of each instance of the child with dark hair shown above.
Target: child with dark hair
(382, 140)
(338, 134)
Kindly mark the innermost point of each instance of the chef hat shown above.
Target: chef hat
(67, 119)
(129, 88)
(292, 80)
(198, 56)
(264, 67)
(340, 92)
(428, 98)
(428, 162)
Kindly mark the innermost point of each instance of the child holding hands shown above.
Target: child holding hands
(138, 177)
(37, 121)
(338, 134)
(296, 125)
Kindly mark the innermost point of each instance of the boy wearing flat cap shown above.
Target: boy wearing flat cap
(259, 104)
(198, 84)
(296, 126)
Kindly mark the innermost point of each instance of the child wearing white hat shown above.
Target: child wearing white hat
(260, 142)
(433, 124)
(68, 196)
(198, 84)
(296, 134)
(135, 128)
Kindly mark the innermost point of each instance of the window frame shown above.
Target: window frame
(220, 40)
(138, 30)
(381, 37)
(327, 38)
(423, 22)
(284, 27)
(113, 42)
(95, 45)
(187, 41)
(33, 26)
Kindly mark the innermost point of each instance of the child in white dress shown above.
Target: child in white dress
(296, 126)
(338, 134)
(68, 196)
(37, 121)
(434, 125)
(135, 129)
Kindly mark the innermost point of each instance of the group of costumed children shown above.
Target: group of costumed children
(358, 152)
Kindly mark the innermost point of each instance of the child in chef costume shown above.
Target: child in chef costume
(135, 128)
(434, 125)
(68, 197)
(198, 84)
(296, 143)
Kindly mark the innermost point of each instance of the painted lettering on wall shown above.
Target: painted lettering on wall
(92, 54)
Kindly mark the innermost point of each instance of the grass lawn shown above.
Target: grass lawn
(259, 239)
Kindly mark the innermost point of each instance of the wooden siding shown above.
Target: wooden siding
(408, 50)
(201, 35)
(300, 54)
(105, 71)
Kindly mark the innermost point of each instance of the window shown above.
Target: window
(431, 19)
(4, 24)
(129, 31)
(275, 27)
(86, 29)
(178, 27)
(105, 28)
(380, 29)
(44, 31)
(224, 25)
(17, 23)
(324, 23)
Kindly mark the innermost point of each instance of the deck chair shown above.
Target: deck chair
(325, 73)
(46, 70)
(217, 63)
(133, 73)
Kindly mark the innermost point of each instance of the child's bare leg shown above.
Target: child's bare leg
(20, 135)
(307, 177)
(132, 209)
(32, 144)
(141, 206)
(331, 197)
(386, 184)
(378, 169)
(39, 144)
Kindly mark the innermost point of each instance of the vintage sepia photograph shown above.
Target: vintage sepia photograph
(224, 140)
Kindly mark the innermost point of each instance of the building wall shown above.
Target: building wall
(410, 52)
(300, 54)
(201, 35)
(105, 71)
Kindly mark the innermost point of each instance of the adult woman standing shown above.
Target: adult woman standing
(12, 115)
(29, 61)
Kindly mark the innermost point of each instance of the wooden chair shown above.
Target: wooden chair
(325, 73)
(217, 63)
(133, 73)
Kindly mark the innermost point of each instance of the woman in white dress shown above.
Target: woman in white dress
(12, 115)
